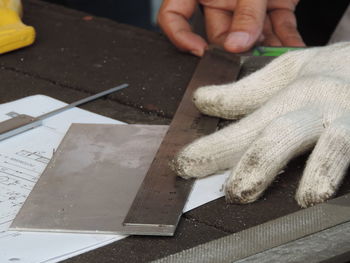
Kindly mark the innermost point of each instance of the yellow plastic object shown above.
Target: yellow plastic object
(14, 5)
(13, 33)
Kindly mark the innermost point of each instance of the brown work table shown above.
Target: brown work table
(76, 55)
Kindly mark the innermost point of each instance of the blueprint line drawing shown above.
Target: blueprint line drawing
(34, 155)
(17, 177)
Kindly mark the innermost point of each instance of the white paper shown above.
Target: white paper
(24, 157)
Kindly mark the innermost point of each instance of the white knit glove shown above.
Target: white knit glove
(299, 100)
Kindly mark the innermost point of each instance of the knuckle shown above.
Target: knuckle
(247, 15)
(165, 19)
(161, 21)
(161, 17)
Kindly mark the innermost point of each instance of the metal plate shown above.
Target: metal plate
(160, 200)
(91, 181)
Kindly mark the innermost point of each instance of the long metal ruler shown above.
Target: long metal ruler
(278, 236)
(160, 200)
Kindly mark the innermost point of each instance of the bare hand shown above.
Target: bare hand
(235, 24)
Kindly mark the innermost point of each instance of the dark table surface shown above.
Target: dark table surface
(76, 55)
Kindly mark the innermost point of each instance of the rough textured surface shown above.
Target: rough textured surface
(73, 58)
(93, 55)
(15, 85)
(144, 249)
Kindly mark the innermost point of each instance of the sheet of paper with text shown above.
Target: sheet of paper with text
(22, 160)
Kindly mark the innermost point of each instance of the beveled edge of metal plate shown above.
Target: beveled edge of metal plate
(124, 230)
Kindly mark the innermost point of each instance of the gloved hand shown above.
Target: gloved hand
(299, 100)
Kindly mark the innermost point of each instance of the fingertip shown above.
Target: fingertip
(189, 42)
(238, 41)
(198, 52)
(246, 26)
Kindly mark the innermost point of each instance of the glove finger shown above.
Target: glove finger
(231, 101)
(286, 137)
(327, 164)
(219, 150)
